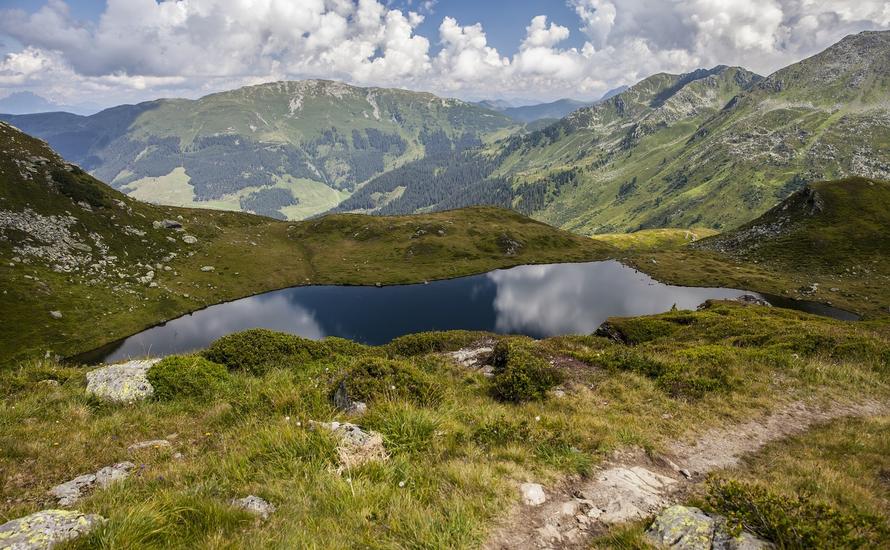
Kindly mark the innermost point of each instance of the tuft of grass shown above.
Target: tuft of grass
(520, 373)
(187, 377)
(372, 379)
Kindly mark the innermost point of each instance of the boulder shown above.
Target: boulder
(628, 494)
(123, 383)
(254, 505)
(345, 403)
(70, 492)
(45, 529)
(533, 494)
(474, 357)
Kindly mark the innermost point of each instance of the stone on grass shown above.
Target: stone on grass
(55, 314)
(71, 491)
(752, 300)
(189, 239)
(208, 268)
(166, 224)
(45, 529)
(533, 494)
(254, 505)
(356, 446)
(152, 444)
(123, 383)
(343, 401)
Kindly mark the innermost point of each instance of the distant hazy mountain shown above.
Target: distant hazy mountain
(285, 149)
(22, 103)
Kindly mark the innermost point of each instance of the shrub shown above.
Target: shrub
(375, 378)
(257, 350)
(80, 187)
(431, 342)
(521, 375)
(797, 521)
(701, 370)
(187, 376)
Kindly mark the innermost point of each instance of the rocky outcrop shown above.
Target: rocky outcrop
(123, 383)
(46, 529)
(71, 491)
(688, 528)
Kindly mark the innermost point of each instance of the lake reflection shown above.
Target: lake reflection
(539, 301)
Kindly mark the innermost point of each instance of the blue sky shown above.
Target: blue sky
(116, 51)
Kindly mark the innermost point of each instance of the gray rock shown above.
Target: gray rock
(683, 528)
(345, 403)
(71, 491)
(55, 314)
(45, 529)
(356, 446)
(533, 494)
(166, 224)
(255, 505)
(207, 268)
(688, 528)
(189, 239)
(123, 383)
(628, 494)
(752, 300)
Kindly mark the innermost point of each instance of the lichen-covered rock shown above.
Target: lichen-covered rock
(688, 528)
(255, 505)
(71, 491)
(682, 528)
(123, 383)
(45, 529)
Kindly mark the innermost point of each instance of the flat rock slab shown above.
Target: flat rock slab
(46, 529)
(123, 383)
(254, 505)
(71, 491)
(626, 494)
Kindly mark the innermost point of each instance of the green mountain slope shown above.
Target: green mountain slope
(285, 149)
(82, 264)
(712, 148)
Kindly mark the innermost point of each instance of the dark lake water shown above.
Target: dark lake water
(535, 300)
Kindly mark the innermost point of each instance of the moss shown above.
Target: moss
(373, 378)
(799, 521)
(257, 350)
(187, 376)
(521, 374)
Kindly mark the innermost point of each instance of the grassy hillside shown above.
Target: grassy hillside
(457, 446)
(264, 148)
(105, 262)
(825, 243)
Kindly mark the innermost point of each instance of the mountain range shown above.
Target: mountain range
(23, 103)
(711, 148)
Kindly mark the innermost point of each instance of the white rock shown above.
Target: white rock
(533, 494)
(189, 239)
(207, 268)
(70, 492)
(55, 314)
(152, 444)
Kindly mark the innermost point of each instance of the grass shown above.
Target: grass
(654, 239)
(455, 460)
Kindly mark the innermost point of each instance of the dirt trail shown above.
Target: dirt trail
(631, 485)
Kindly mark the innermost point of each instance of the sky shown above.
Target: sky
(109, 52)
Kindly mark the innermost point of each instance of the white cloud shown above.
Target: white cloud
(139, 49)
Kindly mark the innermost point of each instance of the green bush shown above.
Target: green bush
(375, 378)
(189, 376)
(699, 371)
(422, 343)
(797, 521)
(80, 187)
(521, 375)
(257, 350)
